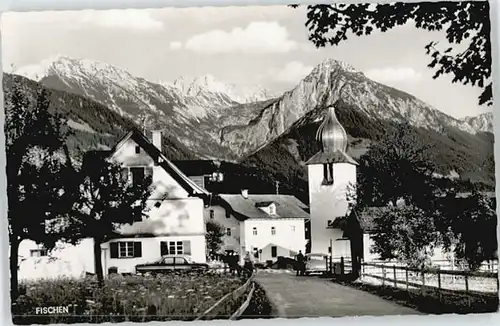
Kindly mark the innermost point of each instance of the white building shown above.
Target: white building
(331, 174)
(174, 225)
(267, 226)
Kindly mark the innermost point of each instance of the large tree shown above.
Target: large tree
(396, 175)
(106, 200)
(463, 22)
(468, 226)
(38, 166)
(397, 167)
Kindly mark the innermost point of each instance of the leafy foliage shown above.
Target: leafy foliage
(397, 167)
(406, 233)
(105, 199)
(37, 166)
(213, 236)
(462, 21)
(468, 226)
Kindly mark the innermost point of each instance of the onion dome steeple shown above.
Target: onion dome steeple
(331, 135)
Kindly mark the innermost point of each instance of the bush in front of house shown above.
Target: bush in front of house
(123, 298)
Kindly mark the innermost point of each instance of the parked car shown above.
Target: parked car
(315, 264)
(171, 263)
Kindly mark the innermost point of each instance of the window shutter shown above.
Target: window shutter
(138, 249)
(186, 245)
(163, 248)
(113, 249)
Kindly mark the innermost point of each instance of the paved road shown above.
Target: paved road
(311, 296)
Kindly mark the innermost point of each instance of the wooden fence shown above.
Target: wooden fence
(431, 279)
(225, 307)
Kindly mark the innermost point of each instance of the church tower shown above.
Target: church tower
(331, 172)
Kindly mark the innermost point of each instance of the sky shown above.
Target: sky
(263, 46)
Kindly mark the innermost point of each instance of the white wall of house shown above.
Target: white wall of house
(151, 250)
(178, 214)
(65, 260)
(164, 184)
(288, 234)
(328, 202)
(232, 237)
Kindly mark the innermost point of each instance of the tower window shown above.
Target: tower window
(137, 149)
(327, 174)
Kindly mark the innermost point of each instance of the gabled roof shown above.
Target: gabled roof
(140, 139)
(197, 167)
(287, 206)
(331, 157)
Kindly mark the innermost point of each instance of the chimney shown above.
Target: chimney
(157, 139)
(244, 193)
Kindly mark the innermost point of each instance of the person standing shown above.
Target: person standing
(248, 265)
(300, 263)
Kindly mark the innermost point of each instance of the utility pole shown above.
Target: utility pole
(277, 183)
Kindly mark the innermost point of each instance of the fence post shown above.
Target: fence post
(439, 278)
(342, 267)
(406, 277)
(466, 283)
(383, 275)
(423, 280)
(394, 272)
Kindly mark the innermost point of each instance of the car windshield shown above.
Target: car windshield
(315, 257)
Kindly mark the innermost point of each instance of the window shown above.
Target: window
(126, 249)
(228, 232)
(327, 174)
(273, 230)
(38, 252)
(228, 215)
(179, 261)
(175, 248)
(254, 231)
(137, 149)
(274, 251)
(139, 174)
(212, 214)
(168, 261)
(292, 228)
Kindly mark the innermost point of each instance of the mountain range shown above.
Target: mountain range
(208, 119)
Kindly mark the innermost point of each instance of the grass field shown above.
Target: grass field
(432, 301)
(123, 298)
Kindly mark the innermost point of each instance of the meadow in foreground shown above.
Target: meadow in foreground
(123, 298)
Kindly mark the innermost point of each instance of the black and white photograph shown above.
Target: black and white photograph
(248, 162)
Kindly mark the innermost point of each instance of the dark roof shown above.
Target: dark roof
(137, 136)
(197, 167)
(287, 206)
(331, 157)
(365, 219)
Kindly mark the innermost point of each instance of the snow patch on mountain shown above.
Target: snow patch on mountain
(481, 122)
(201, 85)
